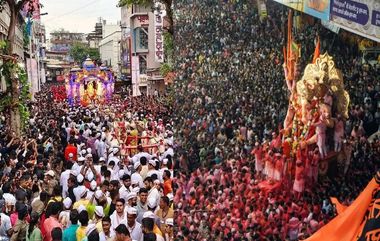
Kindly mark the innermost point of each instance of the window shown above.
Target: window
(142, 60)
(142, 38)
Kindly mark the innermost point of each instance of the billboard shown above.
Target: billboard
(135, 75)
(158, 37)
(316, 8)
(32, 7)
(360, 17)
(126, 54)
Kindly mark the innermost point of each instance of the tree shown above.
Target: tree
(79, 52)
(14, 73)
(167, 4)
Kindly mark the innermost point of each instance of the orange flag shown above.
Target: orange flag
(339, 207)
(317, 51)
(348, 225)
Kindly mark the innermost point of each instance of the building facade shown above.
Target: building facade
(141, 25)
(57, 55)
(35, 58)
(95, 36)
(62, 41)
(109, 46)
(19, 36)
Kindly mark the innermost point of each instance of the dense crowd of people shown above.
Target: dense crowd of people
(106, 172)
(231, 99)
(88, 173)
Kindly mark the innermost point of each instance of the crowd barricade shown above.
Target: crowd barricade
(131, 144)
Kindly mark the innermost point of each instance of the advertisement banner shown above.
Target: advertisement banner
(32, 7)
(295, 4)
(135, 75)
(158, 37)
(360, 17)
(316, 8)
(126, 54)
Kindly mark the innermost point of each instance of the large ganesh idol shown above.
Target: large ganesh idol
(318, 101)
(90, 84)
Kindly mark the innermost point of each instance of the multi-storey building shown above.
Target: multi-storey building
(57, 55)
(96, 36)
(109, 46)
(140, 24)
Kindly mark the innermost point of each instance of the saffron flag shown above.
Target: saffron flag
(317, 51)
(358, 222)
(338, 206)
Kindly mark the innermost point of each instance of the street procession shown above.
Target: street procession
(213, 120)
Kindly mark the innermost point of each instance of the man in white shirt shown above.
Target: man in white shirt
(126, 187)
(118, 216)
(108, 234)
(133, 227)
(136, 175)
(64, 177)
(5, 227)
(152, 169)
(153, 193)
(142, 204)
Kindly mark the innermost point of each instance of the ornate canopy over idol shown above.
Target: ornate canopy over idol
(90, 84)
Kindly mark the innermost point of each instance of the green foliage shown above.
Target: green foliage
(168, 47)
(165, 69)
(8, 68)
(93, 53)
(24, 95)
(3, 45)
(26, 37)
(79, 52)
(138, 2)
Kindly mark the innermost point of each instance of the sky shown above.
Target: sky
(77, 15)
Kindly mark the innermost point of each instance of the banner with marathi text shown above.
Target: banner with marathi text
(360, 17)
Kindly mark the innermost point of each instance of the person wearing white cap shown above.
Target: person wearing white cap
(133, 227)
(80, 181)
(131, 200)
(93, 186)
(152, 169)
(65, 175)
(101, 147)
(113, 157)
(64, 216)
(99, 214)
(79, 164)
(136, 176)
(169, 229)
(81, 191)
(49, 182)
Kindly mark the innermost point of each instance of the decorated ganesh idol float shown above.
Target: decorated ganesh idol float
(313, 130)
(90, 84)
